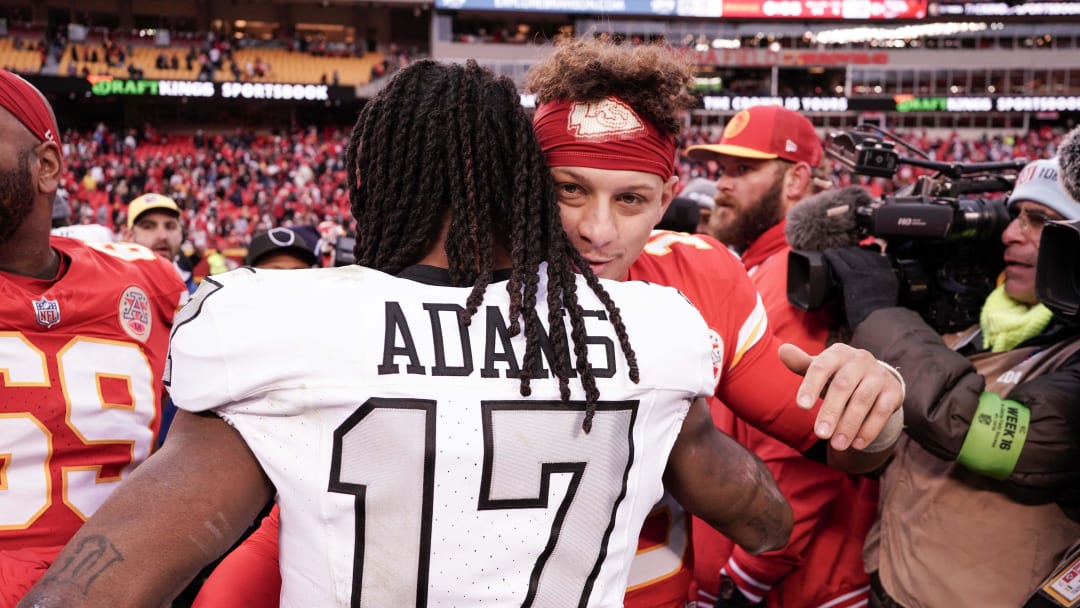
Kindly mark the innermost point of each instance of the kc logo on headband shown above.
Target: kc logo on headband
(604, 120)
(602, 134)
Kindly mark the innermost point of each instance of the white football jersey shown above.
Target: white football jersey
(410, 471)
(87, 233)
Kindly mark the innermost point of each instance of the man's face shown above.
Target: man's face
(609, 215)
(1021, 238)
(747, 199)
(159, 231)
(283, 260)
(16, 191)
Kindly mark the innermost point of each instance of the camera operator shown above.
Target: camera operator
(769, 159)
(976, 502)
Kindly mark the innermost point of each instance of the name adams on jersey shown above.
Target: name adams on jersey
(498, 352)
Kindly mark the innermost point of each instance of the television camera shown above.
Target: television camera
(944, 241)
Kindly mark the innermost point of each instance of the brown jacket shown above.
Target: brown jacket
(947, 536)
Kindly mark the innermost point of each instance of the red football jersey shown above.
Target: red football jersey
(753, 380)
(81, 362)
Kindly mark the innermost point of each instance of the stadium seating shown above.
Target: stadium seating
(143, 57)
(285, 66)
(303, 68)
(26, 60)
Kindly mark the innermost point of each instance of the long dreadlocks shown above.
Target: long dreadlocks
(472, 158)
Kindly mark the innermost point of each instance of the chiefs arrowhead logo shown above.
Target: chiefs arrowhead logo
(737, 124)
(605, 120)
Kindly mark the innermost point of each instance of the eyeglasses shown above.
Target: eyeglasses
(1031, 222)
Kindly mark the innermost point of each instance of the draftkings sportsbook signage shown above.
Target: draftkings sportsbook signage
(106, 86)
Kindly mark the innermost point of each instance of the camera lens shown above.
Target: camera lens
(980, 219)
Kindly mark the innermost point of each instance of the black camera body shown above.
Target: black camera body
(944, 242)
(1057, 272)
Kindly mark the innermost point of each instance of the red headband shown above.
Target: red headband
(605, 134)
(28, 105)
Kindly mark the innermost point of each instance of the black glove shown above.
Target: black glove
(867, 279)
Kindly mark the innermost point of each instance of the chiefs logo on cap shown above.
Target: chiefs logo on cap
(605, 120)
(737, 124)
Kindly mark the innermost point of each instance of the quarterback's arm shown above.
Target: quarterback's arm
(845, 389)
(860, 413)
(725, 485)
(181, 509)
(858, 395)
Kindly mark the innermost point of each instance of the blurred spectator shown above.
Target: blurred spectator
(280, 248)
(84, 231)
(154, 223)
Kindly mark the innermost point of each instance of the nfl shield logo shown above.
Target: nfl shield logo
(47, 311)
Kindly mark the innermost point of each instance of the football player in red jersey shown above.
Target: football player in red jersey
(83, 337)
(594, 100)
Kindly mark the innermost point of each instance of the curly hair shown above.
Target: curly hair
(450, 142)
(654, 80)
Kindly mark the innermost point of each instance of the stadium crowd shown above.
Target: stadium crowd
(230, 186)
(234, 185)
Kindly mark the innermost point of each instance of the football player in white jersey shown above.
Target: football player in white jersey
(483, 429)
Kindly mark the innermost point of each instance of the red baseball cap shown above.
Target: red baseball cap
(765, 132)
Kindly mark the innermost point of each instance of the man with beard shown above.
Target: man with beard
(83, 337)
(769, 160)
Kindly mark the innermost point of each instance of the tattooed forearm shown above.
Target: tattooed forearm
(81, 565)
(771, 521)
(767, 526)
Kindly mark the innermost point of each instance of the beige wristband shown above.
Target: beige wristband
(896, 373)
(890, 433)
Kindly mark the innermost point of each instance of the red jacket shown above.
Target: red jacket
(822, 563)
